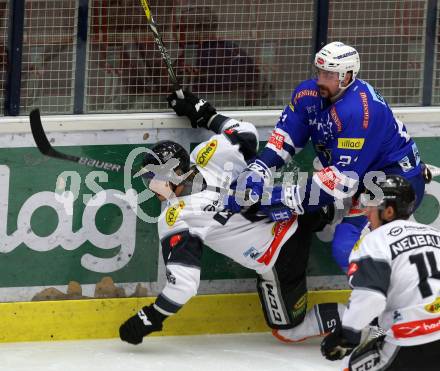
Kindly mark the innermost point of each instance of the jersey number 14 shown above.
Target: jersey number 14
(422, 268)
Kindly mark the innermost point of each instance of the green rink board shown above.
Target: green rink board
(33, 177)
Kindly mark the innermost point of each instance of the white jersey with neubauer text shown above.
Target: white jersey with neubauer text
(395, 274)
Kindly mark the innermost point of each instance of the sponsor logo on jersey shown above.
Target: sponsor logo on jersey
(413, 242)
(351, 143)
(205, 154)
(336, 119)
(395, 231)
(173, 213)
(305, 93)
(277, 140)
(329, 178)
(433, 307)
(416, 328)
(366, 118)
(418, 228)
(353, 267)
(251, 253)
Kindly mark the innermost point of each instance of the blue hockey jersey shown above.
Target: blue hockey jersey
(358, 133)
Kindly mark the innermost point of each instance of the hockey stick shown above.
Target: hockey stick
(46, 148)
(163, 51)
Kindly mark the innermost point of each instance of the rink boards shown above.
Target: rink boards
(101, 318)
(48, 239)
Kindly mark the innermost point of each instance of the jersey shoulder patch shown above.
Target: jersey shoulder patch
(305, 93)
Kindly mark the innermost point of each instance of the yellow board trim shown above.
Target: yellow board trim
(100, 318)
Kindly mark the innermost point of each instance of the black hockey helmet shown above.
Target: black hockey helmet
(398, 193)
(164, 161)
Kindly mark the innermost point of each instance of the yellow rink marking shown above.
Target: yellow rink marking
(101, 318)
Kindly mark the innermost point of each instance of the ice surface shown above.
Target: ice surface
(237, 352)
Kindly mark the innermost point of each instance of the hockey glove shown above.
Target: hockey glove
(278, 212)
(197, 110)
(335, 346)
(252, 181)
(143, 323)
(426, 173)
(283, 203)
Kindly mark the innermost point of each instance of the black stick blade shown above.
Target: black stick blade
(38, 133)
(46, 149)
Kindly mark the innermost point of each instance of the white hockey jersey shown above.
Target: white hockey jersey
(199, 218)
(253, 244)
(394, 273)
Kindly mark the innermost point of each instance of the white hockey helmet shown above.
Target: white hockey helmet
(338, 57)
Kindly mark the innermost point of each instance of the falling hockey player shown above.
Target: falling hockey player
(277, 251)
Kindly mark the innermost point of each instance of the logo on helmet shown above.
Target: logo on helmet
(320, 61)
(205, 154)
(345, 55)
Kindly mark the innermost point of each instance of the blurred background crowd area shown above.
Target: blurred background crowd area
(98, 56)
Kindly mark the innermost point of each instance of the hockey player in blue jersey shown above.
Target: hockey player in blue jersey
(353, 132)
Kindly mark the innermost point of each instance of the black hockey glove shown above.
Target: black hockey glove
(146, 321)
(197, 110)
(335, 346)
(426, 173)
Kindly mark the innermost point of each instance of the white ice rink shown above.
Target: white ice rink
(244, 352)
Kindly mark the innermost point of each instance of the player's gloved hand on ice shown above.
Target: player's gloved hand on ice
(335, 346)
(252, 181)
(144, 322)
(197, 110)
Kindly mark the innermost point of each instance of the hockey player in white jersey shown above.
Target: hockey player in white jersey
(395, 276)
(195, 216)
